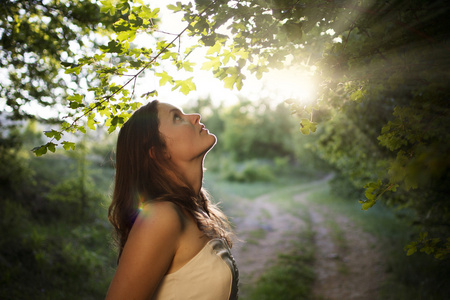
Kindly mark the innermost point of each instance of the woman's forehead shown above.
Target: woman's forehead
(166, 108)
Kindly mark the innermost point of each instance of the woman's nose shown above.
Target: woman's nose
(195, 118)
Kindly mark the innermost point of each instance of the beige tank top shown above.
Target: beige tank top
(210, 275)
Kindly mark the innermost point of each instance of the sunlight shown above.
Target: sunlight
(296, 84)
(280, 85)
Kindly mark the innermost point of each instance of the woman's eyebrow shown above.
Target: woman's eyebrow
(175, 110)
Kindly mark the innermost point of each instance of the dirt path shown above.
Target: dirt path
(264, 230)
(348, 264)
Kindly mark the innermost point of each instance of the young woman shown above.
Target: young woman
(173, 242)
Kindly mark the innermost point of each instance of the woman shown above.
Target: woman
(173, 242)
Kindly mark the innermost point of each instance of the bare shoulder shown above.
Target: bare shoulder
(163, 215)
(149, 251)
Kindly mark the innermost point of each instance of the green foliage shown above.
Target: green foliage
(35, 38)
(249, 171)
(435, 246)
(257, 142)
(14, 168)
(110, 96)
(257, 130)
(341, 186)
(55, 236)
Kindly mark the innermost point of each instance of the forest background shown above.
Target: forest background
(379, 119)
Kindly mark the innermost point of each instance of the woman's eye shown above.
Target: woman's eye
(177, 117)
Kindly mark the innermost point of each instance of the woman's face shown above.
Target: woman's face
(185, 137)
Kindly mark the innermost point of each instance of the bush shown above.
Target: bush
(341, 186)
(55, 237)
(249, 171)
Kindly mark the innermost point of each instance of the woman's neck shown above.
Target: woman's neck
(192, 174)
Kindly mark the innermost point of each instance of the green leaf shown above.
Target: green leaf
(53, 134)
(68, 145)
(40, 150)
(175, 8)
(136, 63)
(147, 13)
(169, 54)
(160, 45)
(227, 55)
(112, 128)
(75, 98)
(108, 6)
(365, 205)
(242, 53)
(121, 25)
(90, 123)
(114, 47)
(67, 65)
(306, 126)
(214, 49)
(75, 101)
(126, 35)
(188, 66)
(165, 78)
(75, 70)
(230, 81)
(185, 86)
(358, 95)
(51, 147)
(214, 63)
(411, 248)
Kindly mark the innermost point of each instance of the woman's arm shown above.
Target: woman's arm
(148, 252)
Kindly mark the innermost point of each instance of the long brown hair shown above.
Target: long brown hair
(141, 177)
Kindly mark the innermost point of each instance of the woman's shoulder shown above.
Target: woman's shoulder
(148, 253)
(165, 213)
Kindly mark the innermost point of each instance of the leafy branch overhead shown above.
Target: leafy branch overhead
(113, 102)
(381, 106)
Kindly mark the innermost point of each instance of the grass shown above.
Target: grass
(290, 278)
(336, 233)
(255, 236)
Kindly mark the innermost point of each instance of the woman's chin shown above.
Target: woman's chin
(213, 143)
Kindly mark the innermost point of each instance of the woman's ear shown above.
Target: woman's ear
(151, 153)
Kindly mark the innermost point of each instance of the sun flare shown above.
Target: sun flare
(292, 84)
(280, 85)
